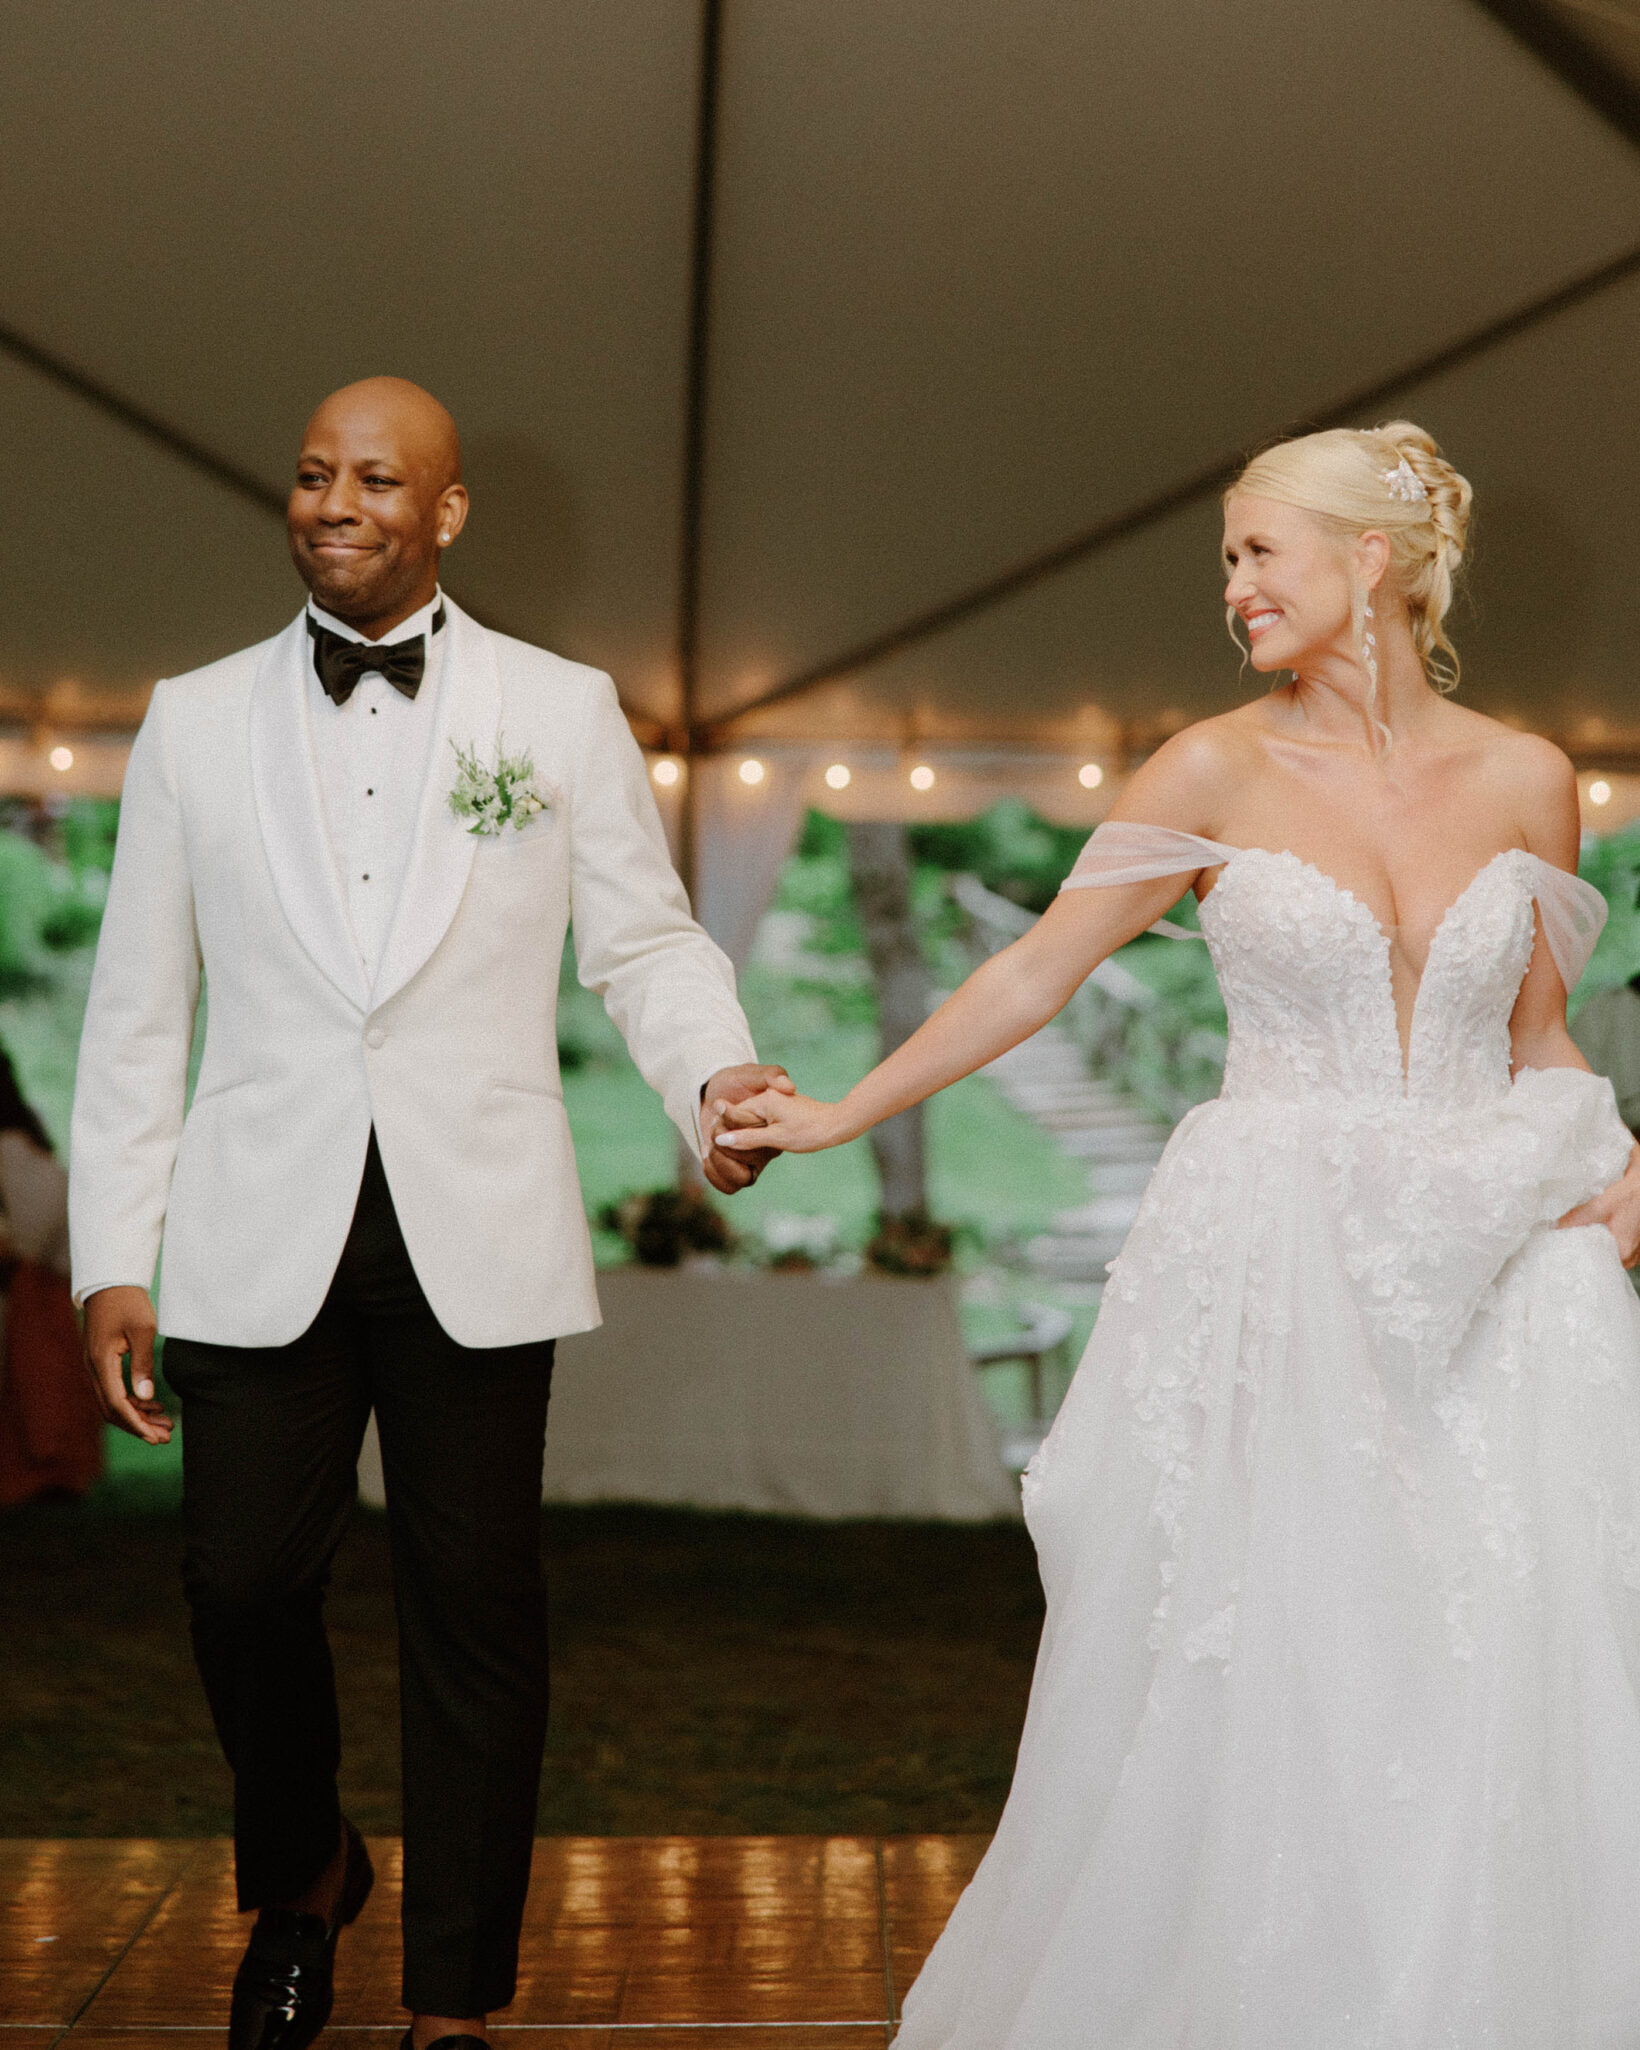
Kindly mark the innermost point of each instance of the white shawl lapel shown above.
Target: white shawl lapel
(441, 854)
(290, 812)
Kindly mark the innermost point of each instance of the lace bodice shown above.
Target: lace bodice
(1432, 1174)
(1305, 970)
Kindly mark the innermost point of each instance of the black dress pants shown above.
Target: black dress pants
(270, 1438)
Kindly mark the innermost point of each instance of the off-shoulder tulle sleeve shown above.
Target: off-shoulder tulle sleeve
(1126, 851)
(1573, 913)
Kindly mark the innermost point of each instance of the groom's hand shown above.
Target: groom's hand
(729, 1172)
(120, 1321)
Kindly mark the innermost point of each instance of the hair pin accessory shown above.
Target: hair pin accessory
(1405, 484)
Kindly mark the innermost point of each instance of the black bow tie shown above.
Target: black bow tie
(341, 662)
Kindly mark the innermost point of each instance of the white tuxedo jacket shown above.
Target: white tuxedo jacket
(223, 865)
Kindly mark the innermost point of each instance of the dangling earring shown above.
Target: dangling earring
(1369, 650)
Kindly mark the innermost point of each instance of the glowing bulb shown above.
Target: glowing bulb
(752, 771)
(1600, 791)
(838, 777)
(922, 777)
(61, 759)
(666, 772)
(1090, 775)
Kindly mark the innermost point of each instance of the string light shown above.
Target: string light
(1090, 775)
(838, 777)
(922, 777)
(1600, 791)
(666, 772)
(752, 771)
(61, 759)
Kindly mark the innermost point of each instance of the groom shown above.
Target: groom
(371, 1203)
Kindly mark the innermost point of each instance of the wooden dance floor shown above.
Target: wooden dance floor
(669, 1943)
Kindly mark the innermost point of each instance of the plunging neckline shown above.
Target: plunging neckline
(1349, 896)
(1345, 895)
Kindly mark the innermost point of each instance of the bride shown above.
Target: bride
(1334, 1740)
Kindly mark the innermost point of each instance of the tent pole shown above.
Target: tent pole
(696, 374)
(695, 392)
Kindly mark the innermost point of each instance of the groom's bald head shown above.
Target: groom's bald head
(398, 414)
(378, 497)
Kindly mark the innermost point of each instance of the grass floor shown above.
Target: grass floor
(712, 1674)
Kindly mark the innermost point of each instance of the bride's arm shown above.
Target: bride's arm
(1538, 1036)
(1537, 1028)
(1546, 793)
(1005, 1000)
(1016, 992)
(1545, 1043)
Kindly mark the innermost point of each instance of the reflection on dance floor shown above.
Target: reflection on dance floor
(677, 1943)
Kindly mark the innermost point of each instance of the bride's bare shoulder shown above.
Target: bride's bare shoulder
(1184, 783)
(1526, 775)
(1524, 763)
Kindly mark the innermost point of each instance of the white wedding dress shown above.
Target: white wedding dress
(1334, 1741)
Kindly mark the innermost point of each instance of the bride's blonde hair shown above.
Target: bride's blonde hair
(1391, 479)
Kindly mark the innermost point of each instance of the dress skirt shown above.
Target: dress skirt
(1334, 1742)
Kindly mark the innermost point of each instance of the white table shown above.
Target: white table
(785, 1393)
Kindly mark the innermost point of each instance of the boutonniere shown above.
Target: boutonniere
(493, 799)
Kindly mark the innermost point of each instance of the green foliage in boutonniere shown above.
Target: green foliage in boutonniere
(493, 799)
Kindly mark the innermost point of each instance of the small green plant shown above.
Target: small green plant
(88, 829)
(46, 908)
(1612, 864)
(912, 1244)
(662, 1225)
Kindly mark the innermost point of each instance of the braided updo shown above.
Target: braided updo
(1353, 479)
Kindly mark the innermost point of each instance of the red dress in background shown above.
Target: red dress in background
(50, 1428)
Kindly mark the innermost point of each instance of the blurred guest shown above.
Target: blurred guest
(50, 1425)
(1607, 1032)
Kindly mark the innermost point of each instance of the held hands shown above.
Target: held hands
(728, 1089)
(1618, 1209)
(120, 1321)
(783, 1122)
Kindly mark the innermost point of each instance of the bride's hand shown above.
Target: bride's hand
(785, 1124)
(1618, 1209)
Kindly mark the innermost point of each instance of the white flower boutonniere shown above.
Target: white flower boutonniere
(493, 799)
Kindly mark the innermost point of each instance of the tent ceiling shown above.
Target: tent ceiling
(985, 274)
(224, 212)
(1134, 639)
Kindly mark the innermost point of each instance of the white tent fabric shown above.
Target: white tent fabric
(746, 831)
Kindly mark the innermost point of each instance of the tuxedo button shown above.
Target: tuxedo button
(375, 1036)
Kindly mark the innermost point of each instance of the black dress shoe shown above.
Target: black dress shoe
(443, 2042)
(282, 1991)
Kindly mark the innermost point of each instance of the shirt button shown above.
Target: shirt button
(375, 1036)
